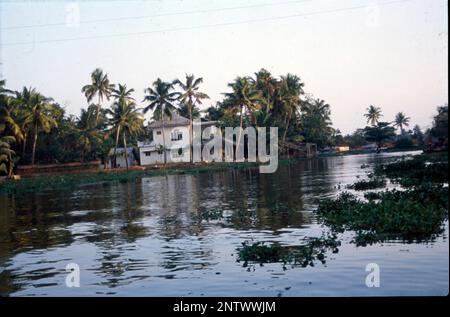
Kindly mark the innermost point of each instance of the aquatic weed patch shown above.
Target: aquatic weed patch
(371, 183)
(413, 214)
(424, 168)
(207, 215)
(313, 250)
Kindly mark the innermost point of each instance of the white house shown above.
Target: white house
(177, 141)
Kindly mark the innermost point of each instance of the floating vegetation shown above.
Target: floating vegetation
(313, 250)
(424, 168)
(372, 195)
(372, 183)
(413, 214)
(208, 215)
(278, 207)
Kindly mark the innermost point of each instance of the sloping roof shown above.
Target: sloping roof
(205, 123)
(175, 121)
(121, 151)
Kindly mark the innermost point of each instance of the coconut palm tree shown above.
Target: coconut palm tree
(161, 100)
(6, 155)
(267, 85)
(315, 121)
(373, 115)
(100, 87)
(24, 100)
(401, 120)
(183, 110)
(125, 118)
(87, 131)
(191, 97)
(291, 89)
(9, 120)
(2, 85)
(38, 116)
(243, 98)
(123, 94)
(379, 133)
(3, 90)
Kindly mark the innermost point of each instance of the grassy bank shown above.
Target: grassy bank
(70, 181)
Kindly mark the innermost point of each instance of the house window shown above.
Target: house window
(158, 132)
(178, 153)
(176, 135)
(148, 153)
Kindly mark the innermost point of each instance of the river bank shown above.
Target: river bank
(72, 179)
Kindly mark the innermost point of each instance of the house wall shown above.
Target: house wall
(172, 146)
(154, 158)
(120, 160)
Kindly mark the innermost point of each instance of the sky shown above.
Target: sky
(351, 53)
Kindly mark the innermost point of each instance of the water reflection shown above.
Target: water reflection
(130, 237)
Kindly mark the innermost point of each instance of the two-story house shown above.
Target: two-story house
(175, 136)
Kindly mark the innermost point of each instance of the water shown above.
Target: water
(144, 238)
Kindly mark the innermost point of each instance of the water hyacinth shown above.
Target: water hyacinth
(313, 250)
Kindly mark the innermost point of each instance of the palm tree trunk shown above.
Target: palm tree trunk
(240, 130)
(24, 146)
(10, 167)
(125, 146)
(98, 110)
(288, 119)
(190, 135)
(34, 144)
(164, 136)
(114, 163)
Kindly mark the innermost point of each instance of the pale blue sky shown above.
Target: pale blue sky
(395, 59)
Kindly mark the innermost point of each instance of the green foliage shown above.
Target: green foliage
(315, 122)
(373, 115)
(100, 87)
(423, 168)
(413, 214)
(368, 184)
(208, 215)
(356, 139)
(190, 97)
(416, 213)
(372, 195)
(314, 249)
(401, 121)
(440, 123)
(160, 97)
(379, 133)
(6, 155)
(183, 111)
(404, 143)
